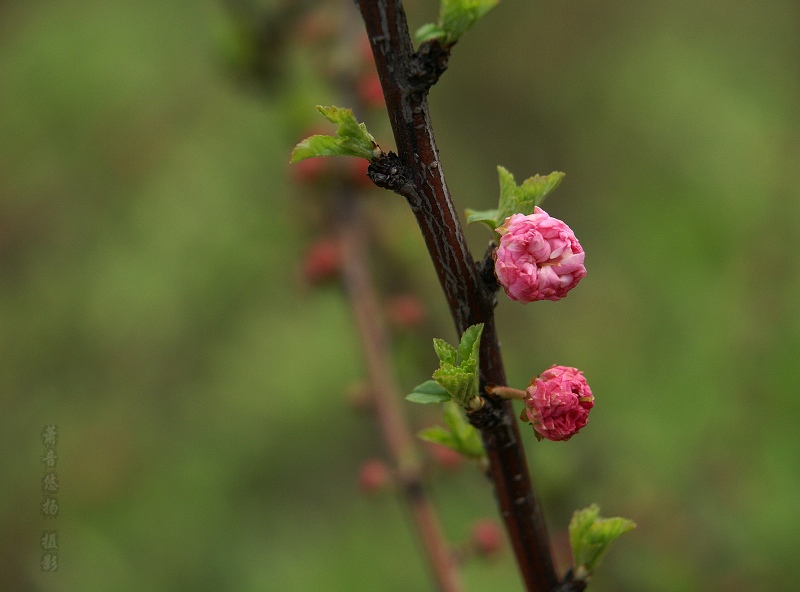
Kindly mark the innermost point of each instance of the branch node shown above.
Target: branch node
(486, 272)
(570, 584)
(489, 417)
(388, 172)
(427, 65)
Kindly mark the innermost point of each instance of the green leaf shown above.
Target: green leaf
(351, 139)
(533, 191)
(456, 381)
(488, 217)
(454, 419)
(428, 392)
(439, 435)
(464, 433)
(455, 18)
(508, 193)
(590, 537)
(471, 444)
(458, 369)
(516, 199)
(459, 434)
(470, 343)
(524, 198)
(427, 399)
(446, 352)
(429, 31)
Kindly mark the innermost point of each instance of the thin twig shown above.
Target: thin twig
(387, 402)
(471, 301)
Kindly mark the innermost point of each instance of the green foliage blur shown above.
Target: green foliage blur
(152, 308)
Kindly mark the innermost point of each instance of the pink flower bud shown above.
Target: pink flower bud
(370, 91)
(445, 457)
(373, 476)
(406, 310)
(557, 403)
(322, 261)
(487, 537)
(358, 172)
(538, 258)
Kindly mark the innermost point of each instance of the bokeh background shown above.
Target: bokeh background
(152, 308)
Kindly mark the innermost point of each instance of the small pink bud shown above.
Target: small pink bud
(557, 403)
(315, 28)
(538, 258)
(445, 457)
(370, 91)
(373, 476)
(310, 170)
(406, 310)
(487, 537)
(365, 50)
(322, 261)
(358, 172)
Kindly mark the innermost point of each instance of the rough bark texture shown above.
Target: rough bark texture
(416, 173)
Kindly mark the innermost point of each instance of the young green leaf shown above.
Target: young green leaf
(351, 139)
(428, 392)
(457, 375)
(455, 18)
(516, 199)
(590, 537)
(470, 343)
(488, 217)
(429, 31)
(463, 432)
(456, 381)
(524, 198)
(438, 435)
(446, 352)
(459, 434)
(458, 369)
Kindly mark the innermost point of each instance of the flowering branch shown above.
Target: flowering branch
(416, 173)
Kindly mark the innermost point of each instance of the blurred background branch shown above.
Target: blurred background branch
(385, 396)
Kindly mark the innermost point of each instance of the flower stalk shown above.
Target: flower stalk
(506, 392)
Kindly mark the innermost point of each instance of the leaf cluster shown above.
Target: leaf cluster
(455, 18)
(351, 139)
(590, 537)
(516, 199)
(457, 375)
(459, 435)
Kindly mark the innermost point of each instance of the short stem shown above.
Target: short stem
(506, 392)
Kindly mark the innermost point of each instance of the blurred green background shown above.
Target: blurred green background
(151, 305)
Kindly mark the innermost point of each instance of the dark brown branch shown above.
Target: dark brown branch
(471, 301)
(394, 429)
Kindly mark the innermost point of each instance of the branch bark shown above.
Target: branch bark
(471, 301)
